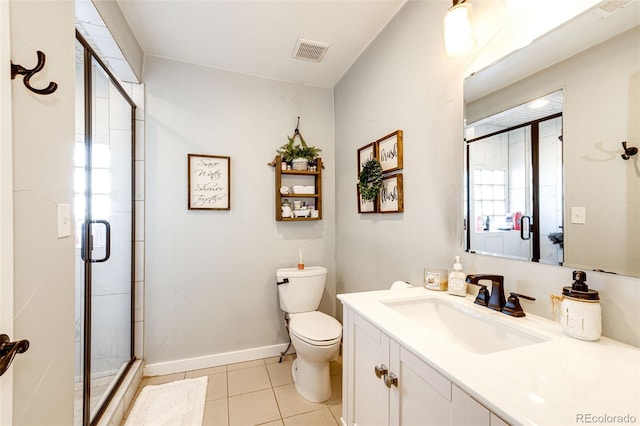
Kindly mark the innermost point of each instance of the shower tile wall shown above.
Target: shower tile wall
(137, 94)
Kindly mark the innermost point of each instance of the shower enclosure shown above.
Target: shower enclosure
(515, 182)
(104, 212)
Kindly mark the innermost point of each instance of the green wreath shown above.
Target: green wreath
(370, 180)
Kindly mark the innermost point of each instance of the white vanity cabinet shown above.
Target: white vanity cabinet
(386, 384)
(467, 411)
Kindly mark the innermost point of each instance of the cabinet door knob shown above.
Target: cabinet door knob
(391, 380)
(381, 371)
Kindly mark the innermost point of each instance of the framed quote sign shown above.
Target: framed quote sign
(390, 151)
(366, 206)
(391, 194)
(380, 179)
(209, 182)
(367, 152)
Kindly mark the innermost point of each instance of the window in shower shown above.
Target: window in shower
(104, 212)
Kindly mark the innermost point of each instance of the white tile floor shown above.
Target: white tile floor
(260, 392)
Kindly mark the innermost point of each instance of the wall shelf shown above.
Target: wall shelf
(288, 178)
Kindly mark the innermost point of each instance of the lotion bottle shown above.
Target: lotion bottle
(457, 283)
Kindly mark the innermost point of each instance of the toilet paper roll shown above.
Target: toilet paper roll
(400, 284)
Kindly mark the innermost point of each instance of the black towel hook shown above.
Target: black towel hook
(8, 351)
(628, 152)
(20, 70)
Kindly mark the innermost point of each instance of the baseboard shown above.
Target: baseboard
(215, 360)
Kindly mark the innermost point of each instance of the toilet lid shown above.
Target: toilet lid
(315, 326)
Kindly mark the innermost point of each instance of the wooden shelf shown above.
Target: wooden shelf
(281, 179)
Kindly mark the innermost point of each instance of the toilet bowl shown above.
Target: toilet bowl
(314, 335)
(316, 338)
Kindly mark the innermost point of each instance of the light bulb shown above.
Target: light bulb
(458, 34)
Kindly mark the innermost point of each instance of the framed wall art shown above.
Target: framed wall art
(367, 152)
(209, 182)
(390, 151)
(366, 206)
(391, 194)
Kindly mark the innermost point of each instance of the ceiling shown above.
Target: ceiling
(257, 37)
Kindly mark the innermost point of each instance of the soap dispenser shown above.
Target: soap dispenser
(457, 283)
(581, 315)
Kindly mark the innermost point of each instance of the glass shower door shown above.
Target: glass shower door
(104, 223)
(111, 235)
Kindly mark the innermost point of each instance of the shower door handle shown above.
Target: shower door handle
(86, 230)
(522, 226)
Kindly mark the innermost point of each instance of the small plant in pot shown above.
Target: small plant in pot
(298, 155)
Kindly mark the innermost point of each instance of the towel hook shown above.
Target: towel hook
(28, 73)
(8, 351)
(628, 152)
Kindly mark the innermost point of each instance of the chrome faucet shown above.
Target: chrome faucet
(496, 300)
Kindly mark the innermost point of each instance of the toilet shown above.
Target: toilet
(314, 335)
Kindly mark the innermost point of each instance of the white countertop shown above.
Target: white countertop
(549, 383)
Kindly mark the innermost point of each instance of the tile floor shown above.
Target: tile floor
(260, 392)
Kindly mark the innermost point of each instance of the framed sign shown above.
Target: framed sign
(390, 151)
(209, 182)
(366, 206)
(391, 196)
(367, 152)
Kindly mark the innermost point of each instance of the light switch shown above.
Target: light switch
(64, 220)
(578, 215)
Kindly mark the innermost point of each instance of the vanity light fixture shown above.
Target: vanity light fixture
(458, 34)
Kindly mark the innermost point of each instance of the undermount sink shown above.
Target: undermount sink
(472, 329)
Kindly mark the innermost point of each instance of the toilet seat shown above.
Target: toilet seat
(315, 328)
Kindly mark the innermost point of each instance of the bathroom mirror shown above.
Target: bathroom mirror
(572, 199)
(514, 182)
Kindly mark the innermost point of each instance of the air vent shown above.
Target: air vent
(608, 7)
(309, 50)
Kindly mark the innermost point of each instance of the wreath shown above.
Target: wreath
(370, 180)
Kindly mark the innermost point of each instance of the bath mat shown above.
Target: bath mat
(179, 403)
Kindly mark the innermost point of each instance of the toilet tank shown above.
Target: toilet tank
(303, 291)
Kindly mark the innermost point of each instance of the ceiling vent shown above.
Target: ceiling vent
(608, 7)
(310, 50)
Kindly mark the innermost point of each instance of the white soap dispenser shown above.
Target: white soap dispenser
(457, 283)
(581, 315)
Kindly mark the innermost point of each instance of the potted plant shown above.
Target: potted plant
(298, 155)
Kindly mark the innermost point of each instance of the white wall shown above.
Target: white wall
(43, 137)
(404, 81)
(210, 275)
(6, 210)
